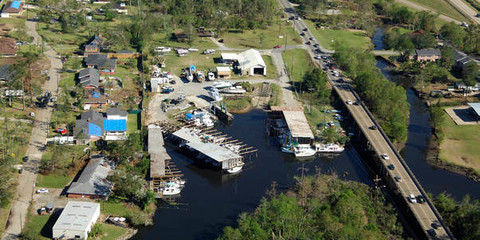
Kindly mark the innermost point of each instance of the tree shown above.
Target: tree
(96, 230)
(453, 33)
(437, 116)
(470, 73)
(448, 58)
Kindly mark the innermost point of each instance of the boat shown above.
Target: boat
(287, 149)
(236, 169)
(211, 76)
(329, 148)
(215, 95)
(207, 121)
(189, 77)
(172, 188)
(234, 90)
(200, 76)
(221, 84)
(304, 150)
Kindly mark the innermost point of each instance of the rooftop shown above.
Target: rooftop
(157, 151)
(297, 123)
(13, 7)
(110, 125)
(428, 52)
(89, 76)
(230, 56)
(8, 46)
(77, 216)
(475, 107)
(223, 69)
(93, 181)
(6, 73)
(101, 61)
(250, 58)
(116, 112)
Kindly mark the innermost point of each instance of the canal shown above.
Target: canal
(433, 179)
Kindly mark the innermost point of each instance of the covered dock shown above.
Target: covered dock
(296, 122)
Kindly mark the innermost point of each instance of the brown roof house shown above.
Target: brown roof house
(8, 48)
(94, 46)
(426, 55)
(12, 8)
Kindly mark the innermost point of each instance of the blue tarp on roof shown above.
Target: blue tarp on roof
(115, 125)
(15, 4)
(94, 130)
(96, 94)
(188, 116)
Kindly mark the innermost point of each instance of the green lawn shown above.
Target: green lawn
(460, 145)
(315, 116)
(327, 37)
(271, 69)
(114, 208)
(238, 104)
(262, 38)
(442, 7)
(111, 232)
(132, 123)
(175, 64)
(53, 181)
(297, 62)
(39, 226)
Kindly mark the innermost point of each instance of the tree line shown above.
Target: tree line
(319, 207)
(384, 98)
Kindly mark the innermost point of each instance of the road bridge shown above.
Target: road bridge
(426, 215)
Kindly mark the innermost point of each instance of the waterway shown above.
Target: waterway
(433, 179)
(210, 201)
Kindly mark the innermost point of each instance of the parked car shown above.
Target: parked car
(305, 29)
(42, 190)
(398, 178)
(167, 89)
(385, 156)
(349, 102)
(421, 199)
(316, 45)
(391, 167)
(302, 34)
(20, 170)
(436, 224)
(25, 159)
(412, 199)
(278, 46)
(308, 43)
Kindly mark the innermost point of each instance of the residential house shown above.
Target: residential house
(94, 46)
(102, 62)
(92, 183)
(224, 72)
(95, 100)
(94, 125)
(201, 32)
(76, 220)
(101, 1)
(8, 48)
(461, 85)
(250, 63)
(461, 59)
(426, 55)
(89, 78)
(12, 8)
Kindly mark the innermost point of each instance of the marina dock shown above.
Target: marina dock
(292, 123)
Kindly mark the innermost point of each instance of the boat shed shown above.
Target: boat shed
(217, 155)
(297, 124)
(76, 220)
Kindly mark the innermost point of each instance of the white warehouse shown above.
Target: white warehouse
(251, 62)
(76, 220)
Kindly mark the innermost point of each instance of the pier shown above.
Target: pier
(292, 122)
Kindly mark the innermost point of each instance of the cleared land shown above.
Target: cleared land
(53, 181)
(297, 62)
(328, 37)
(460, 145)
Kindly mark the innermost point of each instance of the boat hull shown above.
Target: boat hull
(235, 169)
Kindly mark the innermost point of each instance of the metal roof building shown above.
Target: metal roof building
(476, 108)
(76, 220)
(251, 62)
(296, 122)
(92, 183)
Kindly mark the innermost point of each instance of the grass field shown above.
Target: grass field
(327, 37)
(262, 38)
(114, 208)
(297, 62)
(39, 226)
(111, 232)
(175, 64)
(238, 104)
(132, 123)
(53, 181)
(460, 145)
(315, 116)
(442, 7)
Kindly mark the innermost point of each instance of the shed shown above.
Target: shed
(251, 62)
(224, 72)
(76, 220)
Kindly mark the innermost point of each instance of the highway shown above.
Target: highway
(466, 10)
(425, 213)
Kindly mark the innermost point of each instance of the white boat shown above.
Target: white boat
(211, 76)
(162, 49)
(189, 77)
(207, 121)
(215, 95)
(172, 188)
(236, 169)
(304, 150)
(221, 84)
(329, 148)
(234, 90)
(287, 149)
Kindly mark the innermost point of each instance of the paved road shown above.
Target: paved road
(27, 179)
(424, 213)
(422, 8)
(465, 9)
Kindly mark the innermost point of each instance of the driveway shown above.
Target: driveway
(27, 179)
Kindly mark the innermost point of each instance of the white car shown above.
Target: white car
(385, 156)
(349, 102)
(42, 190)
(412, 199)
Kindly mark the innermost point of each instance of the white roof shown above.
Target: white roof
(230, 56)
(297, 124)
(250, 58)
(77, 216)
(214, 151)
(476, 107)
(157, 151)
(223, 69)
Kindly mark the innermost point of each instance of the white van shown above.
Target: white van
(412, 199)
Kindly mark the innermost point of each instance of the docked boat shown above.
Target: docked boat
(215, 95)
(234, 90)
(207, 121)
(288, 149)
(236, 169)
(221, 84)
(304, 150)
(172, 188)
(329, 148)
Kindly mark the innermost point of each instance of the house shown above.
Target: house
(89, 78)
(229, 58)
(102, 62)
(463, 86)
(12, 8)
(250, 63)
(95, 100)
(92, 183)
(224, 72)
(94, 46)
(8, 48)
(94, 125)
(76, 220)
(180, 36)
(426, 55)
(121, 7)
(201, 32)
(6, 73)
(461, 59)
